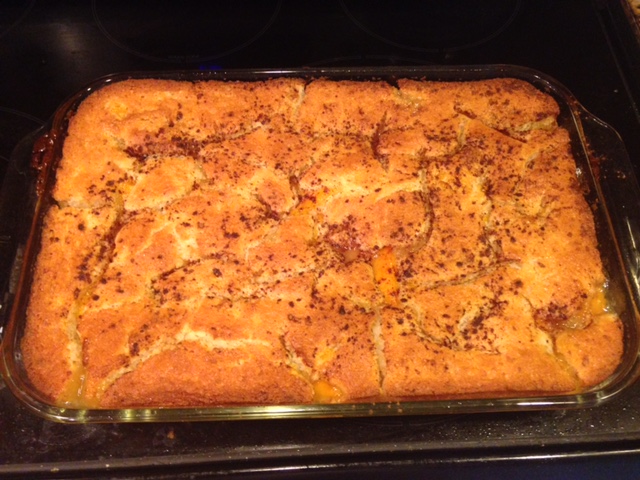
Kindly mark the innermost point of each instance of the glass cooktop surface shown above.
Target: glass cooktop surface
(50, 50)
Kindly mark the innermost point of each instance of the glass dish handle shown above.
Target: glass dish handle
(620, 188)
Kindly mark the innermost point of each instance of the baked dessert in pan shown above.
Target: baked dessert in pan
(289, 241)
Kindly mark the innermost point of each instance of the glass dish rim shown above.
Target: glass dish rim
(576, 113)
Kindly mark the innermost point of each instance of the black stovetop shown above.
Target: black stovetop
(51, 49)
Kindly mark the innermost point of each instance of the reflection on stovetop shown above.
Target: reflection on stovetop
(186, 31)
(436, 26)
(50, 50)
(13, 14)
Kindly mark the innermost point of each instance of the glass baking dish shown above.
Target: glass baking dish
(603, 168)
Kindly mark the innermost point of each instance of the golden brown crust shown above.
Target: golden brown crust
(282, 242)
